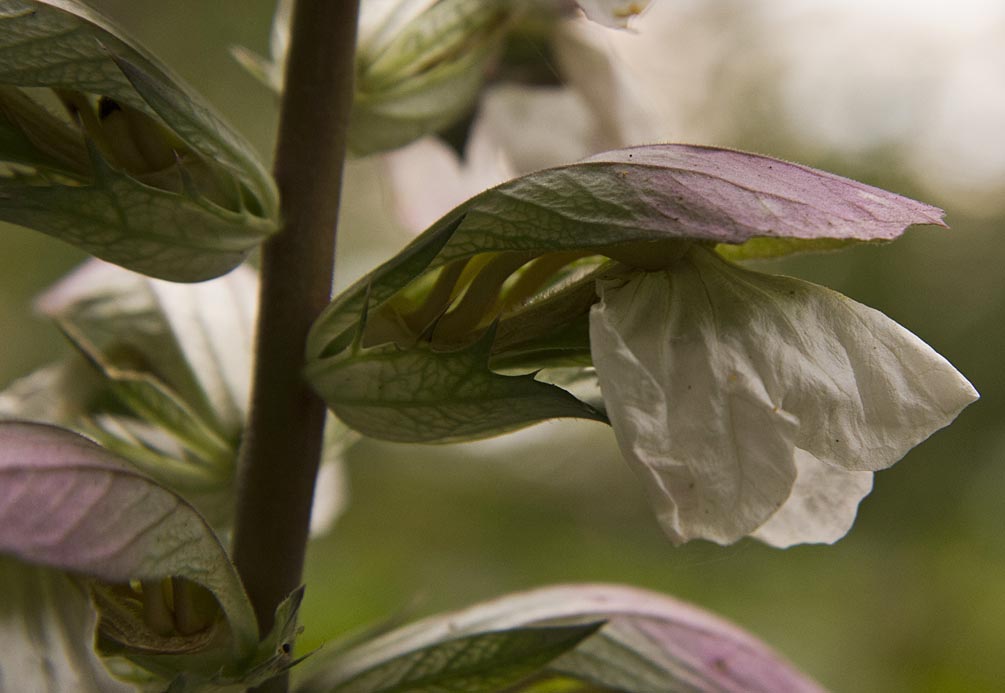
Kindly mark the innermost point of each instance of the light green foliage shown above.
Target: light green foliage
(480, 663)
(420, 65)
(422, 396)
(164, 378)
(140, 171)
(423, 77)
(207, 672)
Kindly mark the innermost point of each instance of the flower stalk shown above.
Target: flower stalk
(282, 444)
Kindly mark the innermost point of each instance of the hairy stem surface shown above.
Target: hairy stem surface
(282, 444)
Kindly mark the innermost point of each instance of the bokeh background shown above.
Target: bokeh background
(905, 95)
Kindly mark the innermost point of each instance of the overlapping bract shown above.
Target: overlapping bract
(138, 170)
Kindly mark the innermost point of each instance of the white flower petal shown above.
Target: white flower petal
(714, 376)
(213, 323)
(612, 13)
(331, 488)
(429, 179)
(865, 389)
(692, 419)
(822, 506)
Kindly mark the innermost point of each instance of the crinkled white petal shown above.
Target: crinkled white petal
(693, 420)
(613, 13)
(822, 506)
(714, 376)
(865, 389)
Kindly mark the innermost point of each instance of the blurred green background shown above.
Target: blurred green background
(911, 600)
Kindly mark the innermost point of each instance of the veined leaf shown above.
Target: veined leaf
(149, 177)
(420, 65)
(173, 236)
(650, 642)
(69, 504)
(157, 404)
(421, 396)
(639, 205)
(194, 338)
(483, 662)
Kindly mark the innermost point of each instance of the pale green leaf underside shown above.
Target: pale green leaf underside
(63, 43)
(481, 663)
(119, 219)
(425, 103)
(156, 403)
(422, 396)
(180, 236)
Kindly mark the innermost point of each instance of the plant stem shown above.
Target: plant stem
(282, 443)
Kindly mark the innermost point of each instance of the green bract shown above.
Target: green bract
(526, 253)
(486, 661)
(164, 378)
(420, 65)
(646, 642)
(171, 604)
(424, 396)
(121, 526)
(419, 77)
(136, 169)
(161, 378)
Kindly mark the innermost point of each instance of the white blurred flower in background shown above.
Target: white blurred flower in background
(923, 78)
(921, 85)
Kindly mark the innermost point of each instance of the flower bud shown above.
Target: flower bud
(420, 76)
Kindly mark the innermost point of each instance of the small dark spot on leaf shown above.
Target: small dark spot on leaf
(285, 647)
(106, 107)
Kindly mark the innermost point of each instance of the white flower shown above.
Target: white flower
(760, 405)
(429, 179)
(612, 13)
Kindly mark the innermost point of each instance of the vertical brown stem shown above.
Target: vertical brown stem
(281, 449)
